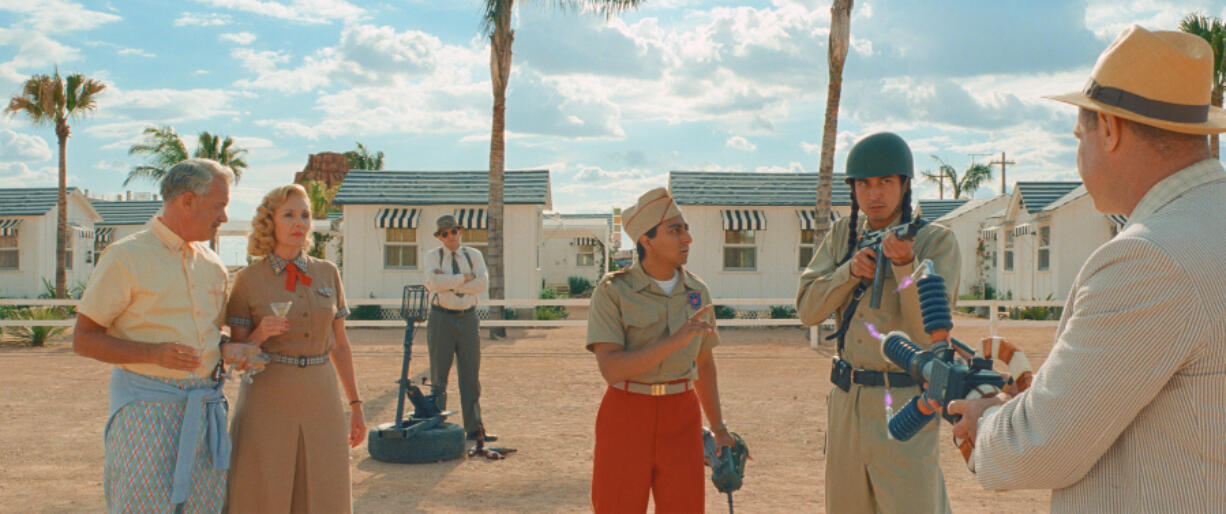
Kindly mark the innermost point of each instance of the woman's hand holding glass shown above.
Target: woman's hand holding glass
(269, 326)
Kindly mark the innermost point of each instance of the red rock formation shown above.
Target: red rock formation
(327, 167)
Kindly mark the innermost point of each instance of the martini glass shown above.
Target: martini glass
(281, 309)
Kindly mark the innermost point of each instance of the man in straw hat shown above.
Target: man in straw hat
(652, 329)
(1129, 410)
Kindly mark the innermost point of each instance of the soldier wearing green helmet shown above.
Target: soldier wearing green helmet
(866, 471)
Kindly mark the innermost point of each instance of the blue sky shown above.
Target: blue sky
(608, 106)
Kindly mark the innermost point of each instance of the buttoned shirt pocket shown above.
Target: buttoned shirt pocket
(643, 324)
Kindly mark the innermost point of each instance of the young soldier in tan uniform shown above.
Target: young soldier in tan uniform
(652, 331)
(866, 471)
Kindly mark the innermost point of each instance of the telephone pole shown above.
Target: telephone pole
(1002, 162)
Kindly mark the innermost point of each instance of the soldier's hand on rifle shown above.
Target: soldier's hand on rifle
(864, 264)
(897, 250)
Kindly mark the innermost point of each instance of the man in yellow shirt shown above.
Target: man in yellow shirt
(154, 308)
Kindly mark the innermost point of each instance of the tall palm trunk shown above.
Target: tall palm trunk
(500, 71)
(840, 33)
(61, 214)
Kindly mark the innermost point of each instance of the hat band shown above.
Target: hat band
(1150, 108)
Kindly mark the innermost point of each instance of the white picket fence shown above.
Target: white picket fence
(993, 321)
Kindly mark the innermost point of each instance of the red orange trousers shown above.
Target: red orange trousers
(648, 444)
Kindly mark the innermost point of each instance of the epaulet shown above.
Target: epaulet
(613, 274)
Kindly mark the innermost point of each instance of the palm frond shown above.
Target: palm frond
(495, 9)
(153, 174)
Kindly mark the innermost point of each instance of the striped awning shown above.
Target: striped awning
(471, 218)
(1118, 220)
(743, 219)
(397, 217)
(82, 231)
(989, 234)
(1023, 229)
(586, 241)
(105, 234)
(8, 227)
(807, 217)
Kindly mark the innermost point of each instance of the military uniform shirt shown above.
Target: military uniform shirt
(629, 309)
(826, 288)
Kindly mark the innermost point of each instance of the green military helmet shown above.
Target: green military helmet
(878, 155)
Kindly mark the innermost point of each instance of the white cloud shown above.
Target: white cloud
(242, 38)
(302, 11)
(18, 174)
(135, 51)
(57, 16)
(740, 143)
(15, 146)
(203, 19)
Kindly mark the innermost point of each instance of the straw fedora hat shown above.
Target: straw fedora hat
(1161, 78)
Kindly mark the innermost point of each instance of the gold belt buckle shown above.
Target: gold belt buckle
(658, 389)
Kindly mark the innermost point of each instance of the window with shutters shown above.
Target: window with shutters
(479, 239)
(807, 246)
(400, 249)
(586, 256)
(1044, 248)
(9, 253)
(740, 253)
(1008, 265)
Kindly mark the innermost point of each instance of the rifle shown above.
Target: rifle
(874, 240)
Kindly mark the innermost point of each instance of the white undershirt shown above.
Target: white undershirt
(667, 285)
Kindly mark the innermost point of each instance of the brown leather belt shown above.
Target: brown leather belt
(663, 389)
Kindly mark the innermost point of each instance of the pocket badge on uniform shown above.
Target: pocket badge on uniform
(326, 291)
(695, 300)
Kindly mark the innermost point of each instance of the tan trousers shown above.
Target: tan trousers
(866, 472)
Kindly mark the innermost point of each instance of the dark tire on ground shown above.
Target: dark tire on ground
(439, 443)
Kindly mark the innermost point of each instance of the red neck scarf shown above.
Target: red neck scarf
(292, 275)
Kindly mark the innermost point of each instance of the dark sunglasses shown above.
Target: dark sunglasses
(445, 232)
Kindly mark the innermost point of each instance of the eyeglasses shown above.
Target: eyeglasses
(445, 232)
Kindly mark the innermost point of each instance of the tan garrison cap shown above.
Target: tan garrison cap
(1162, 79)
(652, 208)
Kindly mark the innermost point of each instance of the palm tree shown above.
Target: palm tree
(840, 34)
(971, 179)
(223, 151)
(321, 198)
(165, 149)
(496, 24)
(362, 159)
(1212, 30)
(50, 99)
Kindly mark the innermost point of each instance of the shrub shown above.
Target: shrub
(37, 335)
(724, 312)
(365, 312)
(579, 286)
(783, 312)
(549, 312)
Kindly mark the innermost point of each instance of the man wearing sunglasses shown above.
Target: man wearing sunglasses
(456, 276)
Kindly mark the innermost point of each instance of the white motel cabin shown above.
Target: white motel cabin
(1037, 245)
(389, 221)
(577, 245)
(27, 239)
(753, 232)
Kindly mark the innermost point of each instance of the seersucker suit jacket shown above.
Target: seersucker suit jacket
(1128, 413)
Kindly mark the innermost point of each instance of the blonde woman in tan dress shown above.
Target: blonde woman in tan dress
(289, 431)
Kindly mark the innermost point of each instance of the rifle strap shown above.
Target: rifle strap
(845, 320)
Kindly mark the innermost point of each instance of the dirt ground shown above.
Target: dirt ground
(541, 392)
